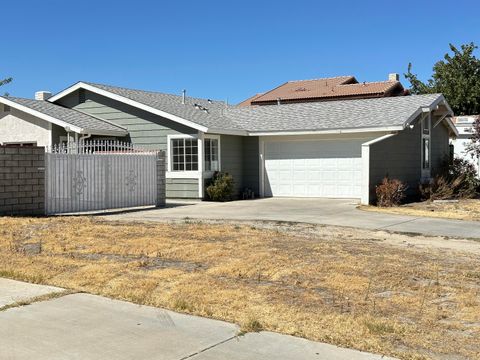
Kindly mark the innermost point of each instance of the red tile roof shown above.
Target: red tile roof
(341, 87)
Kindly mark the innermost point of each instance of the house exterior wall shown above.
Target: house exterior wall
(251, 164)
(400, 157)
(240, 158)
(231, 149)
(146, 130)
(440, 147)
(182, 188)
(17, 126)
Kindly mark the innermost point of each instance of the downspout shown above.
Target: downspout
(82, 139)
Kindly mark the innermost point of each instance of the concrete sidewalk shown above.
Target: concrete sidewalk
(82, 326)
(337, 212)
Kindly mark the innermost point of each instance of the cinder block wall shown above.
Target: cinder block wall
(22, 180)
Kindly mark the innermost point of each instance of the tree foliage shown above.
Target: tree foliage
(5, 81)
(457, 77)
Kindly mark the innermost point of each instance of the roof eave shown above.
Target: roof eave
(40, 115)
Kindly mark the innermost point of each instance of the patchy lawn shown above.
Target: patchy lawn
(461, 210)
(348, 287)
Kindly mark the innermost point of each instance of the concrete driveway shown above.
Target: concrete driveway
(83, 326)
(315, 211)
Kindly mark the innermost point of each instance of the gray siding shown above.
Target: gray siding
(146, 130)
(182, 188)
(231, 159)
(398, 157)
(251, 164)
(440, 147)
(239, 157)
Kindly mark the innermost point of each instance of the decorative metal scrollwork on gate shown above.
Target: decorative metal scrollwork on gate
(131, 181)
(79, 183)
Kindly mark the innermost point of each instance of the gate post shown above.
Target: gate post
(161, 182)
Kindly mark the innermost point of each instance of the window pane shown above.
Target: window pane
(426, 154)
(184, 154)
(211, 155)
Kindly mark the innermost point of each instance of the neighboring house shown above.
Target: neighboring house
(327, 89)
(464, 125)
(41, 123)
(338, 149)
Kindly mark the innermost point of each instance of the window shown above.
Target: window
(426, 126)
(426, 153)
(426, 146)
(184, 154)
(212, 161)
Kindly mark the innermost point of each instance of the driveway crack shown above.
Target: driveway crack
(208, 348)
(399, 223)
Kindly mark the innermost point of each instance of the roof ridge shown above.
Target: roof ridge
(150, 91)
(326, 78)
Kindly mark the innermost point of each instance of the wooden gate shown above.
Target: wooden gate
(89, 182)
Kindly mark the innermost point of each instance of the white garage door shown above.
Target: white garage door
(317, 168)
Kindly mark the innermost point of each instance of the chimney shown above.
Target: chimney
(184, 94)
(43, 95)
(393, 77)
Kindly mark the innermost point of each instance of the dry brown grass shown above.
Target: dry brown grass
(341, 286)
(461, 210)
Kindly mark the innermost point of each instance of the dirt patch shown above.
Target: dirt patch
(459, 210)
(412, 297)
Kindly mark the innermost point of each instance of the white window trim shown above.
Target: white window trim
(185, 174)
(209, 173)
(426, 172)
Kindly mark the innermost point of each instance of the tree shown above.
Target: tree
(473, 147)
(457, 77)
(5, 82)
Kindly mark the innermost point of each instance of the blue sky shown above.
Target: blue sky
(221, 49)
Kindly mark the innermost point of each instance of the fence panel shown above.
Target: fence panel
(88, 182)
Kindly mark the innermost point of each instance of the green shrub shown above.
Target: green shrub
(390, 192)
(221, 187)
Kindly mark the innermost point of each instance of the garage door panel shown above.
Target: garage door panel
(313, 168)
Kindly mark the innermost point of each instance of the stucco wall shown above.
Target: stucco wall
(17, 126)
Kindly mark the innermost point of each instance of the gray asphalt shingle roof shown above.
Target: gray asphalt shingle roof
(329, 115)
(69, 116)
(311, 116)
(172, 104)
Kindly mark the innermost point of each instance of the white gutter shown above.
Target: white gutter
(332, 131)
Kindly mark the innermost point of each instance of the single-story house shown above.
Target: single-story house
(338, 149)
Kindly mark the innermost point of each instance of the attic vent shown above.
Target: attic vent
(301, 89)
(6, 108)
(81, 96)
